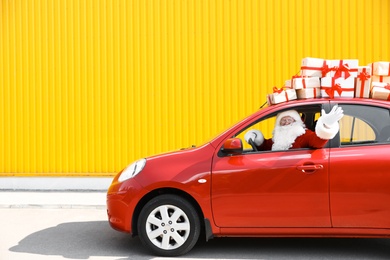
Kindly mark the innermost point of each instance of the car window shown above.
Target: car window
(265, 126)
(309, 115)
(364, 125)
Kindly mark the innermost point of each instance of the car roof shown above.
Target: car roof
(361, 101)
(300, 102)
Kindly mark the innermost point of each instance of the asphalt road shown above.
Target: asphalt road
(44, 233)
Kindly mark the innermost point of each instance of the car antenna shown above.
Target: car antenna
(263, 104)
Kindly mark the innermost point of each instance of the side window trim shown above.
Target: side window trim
(326, 106)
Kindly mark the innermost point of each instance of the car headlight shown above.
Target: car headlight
(132, 170)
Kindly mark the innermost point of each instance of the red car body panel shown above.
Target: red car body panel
(360, 191)
(253, 191)
(180, 170)
(335, 191)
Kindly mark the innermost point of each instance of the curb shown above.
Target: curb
(30, 206)
(52, 200)
(100, 184)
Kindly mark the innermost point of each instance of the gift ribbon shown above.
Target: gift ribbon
(388, 73)
(381, 78)
(343, 68)
(314, 92)
(325, 69)
(303, 82)
(296, 76)
(363, 76)
(278, 91)
(385, 87)
(335, 88)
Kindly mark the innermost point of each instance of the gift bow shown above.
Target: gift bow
(341, 69)
(387, 87)
(363, 76)
(325, 69)
(335, 87)
(276, 90)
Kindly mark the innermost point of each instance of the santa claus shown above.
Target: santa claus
(291, 133)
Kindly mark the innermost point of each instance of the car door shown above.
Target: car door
(360, 169)
(271, 189)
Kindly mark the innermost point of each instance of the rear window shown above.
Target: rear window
(364, 125)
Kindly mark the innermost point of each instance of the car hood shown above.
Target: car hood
(178, 166)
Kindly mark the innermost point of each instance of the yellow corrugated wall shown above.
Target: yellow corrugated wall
(88, 86)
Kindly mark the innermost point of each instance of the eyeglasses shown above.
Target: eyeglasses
(286, 120)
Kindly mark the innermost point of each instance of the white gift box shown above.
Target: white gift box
(287, 84)
(380, 90)
(314, 67)
(281, 95)
(344, 68)
(384, 79)
(337, 87)
(302, 83)
(363, 82)
(308, 93)
(381, 68)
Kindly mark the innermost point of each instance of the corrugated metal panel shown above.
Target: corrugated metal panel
(88, 86)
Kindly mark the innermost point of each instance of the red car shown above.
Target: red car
(227, 188)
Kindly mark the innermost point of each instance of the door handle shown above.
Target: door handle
(310, 168)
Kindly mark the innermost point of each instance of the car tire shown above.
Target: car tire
(169, 225)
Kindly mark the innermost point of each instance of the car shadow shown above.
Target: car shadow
(294, 248)
(82, 240)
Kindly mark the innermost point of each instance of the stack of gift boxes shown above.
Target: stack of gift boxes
(335, 79)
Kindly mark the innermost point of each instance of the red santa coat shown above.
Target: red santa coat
(308, 140)
(304, 138)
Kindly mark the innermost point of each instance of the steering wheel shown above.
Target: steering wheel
(250, 141)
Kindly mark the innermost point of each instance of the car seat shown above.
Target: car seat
(384, 135)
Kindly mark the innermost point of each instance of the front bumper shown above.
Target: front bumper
(122, 199)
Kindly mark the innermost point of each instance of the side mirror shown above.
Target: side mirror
(232, 146)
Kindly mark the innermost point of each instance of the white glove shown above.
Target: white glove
(332, 117)
(256, 136)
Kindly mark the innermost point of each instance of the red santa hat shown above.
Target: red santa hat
(293, 113)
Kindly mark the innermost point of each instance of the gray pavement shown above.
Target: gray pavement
(73, 225)
(69, 223)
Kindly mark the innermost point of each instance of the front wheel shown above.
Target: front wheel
(169, 225)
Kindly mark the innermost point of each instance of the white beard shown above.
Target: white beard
(284, 136)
